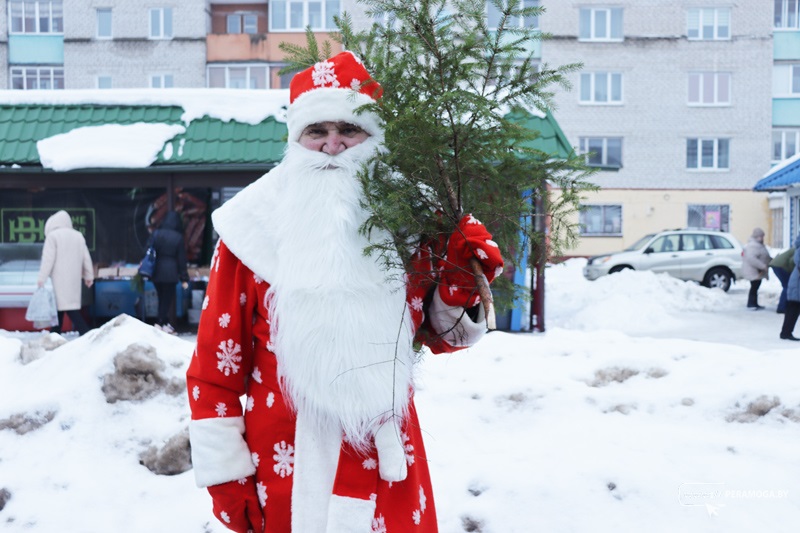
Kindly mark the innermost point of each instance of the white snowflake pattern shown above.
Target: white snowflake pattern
(225, 517)
(229, 357)
(257, 375)
(250, 403)
(355, 84)
(416, 303)
(481, 254)
(261, 489)
(370, 464)
(270, 399)
(409, 449)
(323, 74)
(472, 220)
(284, 458)
(491, 243)
(224, 320)
(416, 516)
(257, 279)
(423, 500)
(256, 459)
(498, 271)
(379, 524)
(221, 409)
(205, 302)
(242, 481)
(242, 299)
(452, 289)
(195, 392)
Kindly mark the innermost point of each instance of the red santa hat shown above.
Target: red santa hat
(331, 91)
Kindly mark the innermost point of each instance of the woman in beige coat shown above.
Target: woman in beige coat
(755, 266)
(66, 260)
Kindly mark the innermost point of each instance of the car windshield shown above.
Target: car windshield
(640, 243)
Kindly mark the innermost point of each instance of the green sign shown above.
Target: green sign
(27, 224)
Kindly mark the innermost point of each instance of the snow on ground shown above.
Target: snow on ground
(649, 404)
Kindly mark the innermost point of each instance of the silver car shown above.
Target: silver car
(709, 257)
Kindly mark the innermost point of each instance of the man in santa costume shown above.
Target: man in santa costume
(301, 384)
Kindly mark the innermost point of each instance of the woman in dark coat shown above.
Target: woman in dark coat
(170, 265)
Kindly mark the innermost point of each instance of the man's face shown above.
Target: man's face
(332, 138)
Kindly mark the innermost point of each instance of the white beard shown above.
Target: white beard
(339, 322)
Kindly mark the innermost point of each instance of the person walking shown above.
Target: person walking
(66, 261)
(755, 266)
(320, 337)
(170, 266)
(792, 297)
(782, 265)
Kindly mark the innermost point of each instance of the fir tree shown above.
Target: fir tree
(452, 87)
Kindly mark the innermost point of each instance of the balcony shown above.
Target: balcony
(230, 47)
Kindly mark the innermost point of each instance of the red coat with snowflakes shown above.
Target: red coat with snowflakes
(250, 444)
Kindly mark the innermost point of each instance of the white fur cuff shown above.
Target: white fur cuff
(330, 104)
(454, 324)
(350, 515)
(219, 452)
(391, 453)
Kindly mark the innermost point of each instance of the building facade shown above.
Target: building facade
(673, 104)
(682, 104)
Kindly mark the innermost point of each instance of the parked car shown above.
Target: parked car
(711, 258)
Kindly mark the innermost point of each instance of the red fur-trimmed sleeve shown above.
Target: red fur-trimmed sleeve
(219, 370)
(441, 327)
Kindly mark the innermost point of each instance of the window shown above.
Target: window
(708, 154)
(104, 23)
(238, 77)
(161, 81)
(36, 16)
(785, 144)
(786, 80)
(602, 151)
(28, 78)
(600, 24)
(709, 88)
(601, 220)
(714, 217)
(161, 23)
(601, 88)
(493, 16)
(282, 81)
(787, 14)
(103, 82)
(708, 23)
(666, 244)
(295, 15)
(242, 23)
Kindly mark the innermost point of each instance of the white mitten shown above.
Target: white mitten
(391, 452)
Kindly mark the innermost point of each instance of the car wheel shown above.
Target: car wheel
(718, 278)
(619, 268)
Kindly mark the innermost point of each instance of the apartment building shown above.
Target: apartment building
(79, 44)
(683, 104)
(785, 204)
(673, 103)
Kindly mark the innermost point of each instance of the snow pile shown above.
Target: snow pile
(629, 301)
(685, 419)
(108, 146)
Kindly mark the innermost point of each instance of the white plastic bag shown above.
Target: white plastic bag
(42, 309)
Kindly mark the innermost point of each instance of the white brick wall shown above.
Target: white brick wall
(655, 120)
(131, 57)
